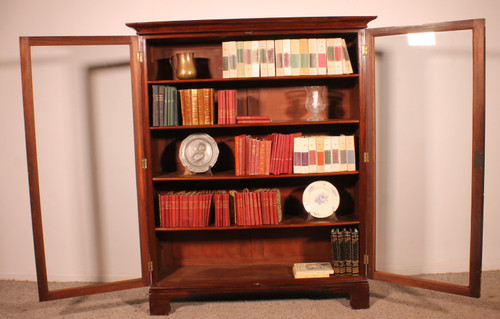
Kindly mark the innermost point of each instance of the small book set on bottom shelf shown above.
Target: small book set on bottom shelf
(345, 251)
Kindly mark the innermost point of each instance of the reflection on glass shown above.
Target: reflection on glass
(85, 146)
(424, 138)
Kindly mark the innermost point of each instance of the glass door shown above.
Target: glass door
(425, 126)
(84, 145)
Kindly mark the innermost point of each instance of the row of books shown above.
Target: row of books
(285, 57)
(244, 208)
(345, 251)
(272, 155)
(259, 207)
(318, 154)
(226, 106)
(197, 106)
(184, 209)
(165, 110)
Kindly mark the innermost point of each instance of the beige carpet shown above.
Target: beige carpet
(20, 300)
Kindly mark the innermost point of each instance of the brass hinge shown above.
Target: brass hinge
(364, 50)
(150, 266)
(366, 157)
(144, 163)
(139, 56)
(366, 259)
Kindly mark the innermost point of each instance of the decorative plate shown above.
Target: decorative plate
(198, 152)
(321, 199)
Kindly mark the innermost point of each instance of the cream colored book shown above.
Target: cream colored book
(312, 270)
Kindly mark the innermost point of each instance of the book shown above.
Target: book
(342, 154)
(233, 59)
(295, 56)
(297, 156)
(346, 63)
(240, 59)
(271, 67)
(335, 154)
(287, 61)
(321, 56)
(255, 58)
(351, 156)
(327, 148)
(313, 56)
(313, 164)
(278, 53)
(338, 50)
(312, 270)
(320, 153)
(263, 58)
(247, 58)
(225, 59)
(304, 56)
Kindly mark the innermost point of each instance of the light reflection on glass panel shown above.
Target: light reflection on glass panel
(85, 146)
(424, 142)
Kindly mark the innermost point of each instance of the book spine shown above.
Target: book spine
(240, 59)
(321, 56)
(233, 59)
(320, 153)
(225, 59)
(328, 153)
(278, 50)
(304, 56)
(351, 156)
(287, 60)
(342, 153)
(313, 56)
(263, 58)
(313, 167)
(295, 56)
(347, 66)
(271, 67)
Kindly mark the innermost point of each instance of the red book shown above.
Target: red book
(248, 212)
(262, 157)
(231, 97)
(268, 157)
(184, 212)
(226, 220)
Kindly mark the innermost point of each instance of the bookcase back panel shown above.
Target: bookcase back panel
(246, 246)
(208, 60)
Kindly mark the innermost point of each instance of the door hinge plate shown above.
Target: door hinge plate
(144, 163)
(366, 259)
(366, 157)
(150, 266)
(139, 56)
(364, 50)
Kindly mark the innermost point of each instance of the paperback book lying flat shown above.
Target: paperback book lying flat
(312, 270)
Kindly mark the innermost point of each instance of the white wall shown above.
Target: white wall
(51, 17)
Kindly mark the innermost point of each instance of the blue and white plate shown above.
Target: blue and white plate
(321, 199)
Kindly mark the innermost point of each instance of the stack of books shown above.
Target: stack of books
(318, 154)
(285, 57)
(197, 106)
(312, 270)
(164, 108)
(345, 251)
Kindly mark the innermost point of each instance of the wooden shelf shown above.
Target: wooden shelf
(253, 79)
(228, 175)
(224, 275)
(287, 222)
(272, 124)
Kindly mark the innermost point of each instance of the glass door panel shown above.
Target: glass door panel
(426, 132)
(86, 212)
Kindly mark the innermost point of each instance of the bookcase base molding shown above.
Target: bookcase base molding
(160, 297)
